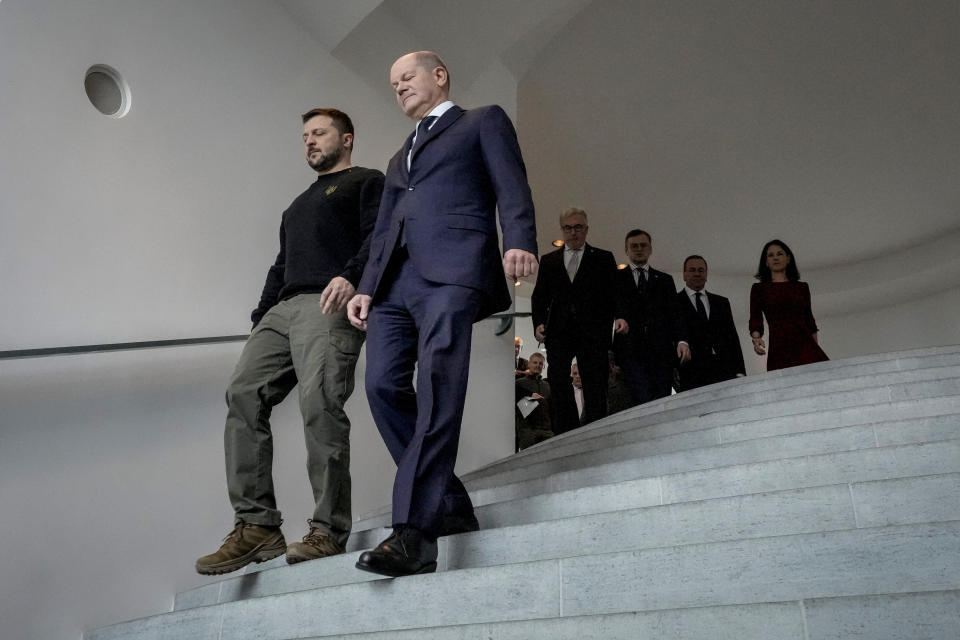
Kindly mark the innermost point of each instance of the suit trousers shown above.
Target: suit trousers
(425, 326)
(704, 369)
(647, 377)
(293, 343)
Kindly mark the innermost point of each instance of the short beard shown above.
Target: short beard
(327, 160)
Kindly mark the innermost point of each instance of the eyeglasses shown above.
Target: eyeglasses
(570, 228)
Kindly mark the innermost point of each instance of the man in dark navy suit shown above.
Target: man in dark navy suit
(435, 268)
(657, 341)
(575, 308)
(714, 344)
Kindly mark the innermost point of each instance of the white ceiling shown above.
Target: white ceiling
(714, 125)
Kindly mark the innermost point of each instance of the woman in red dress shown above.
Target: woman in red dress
(785, 301)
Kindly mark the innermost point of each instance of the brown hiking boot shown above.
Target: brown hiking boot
(316, 544)
(245, 544)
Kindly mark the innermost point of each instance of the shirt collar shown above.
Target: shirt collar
(645, 267)
(438, 110)
(691, 293)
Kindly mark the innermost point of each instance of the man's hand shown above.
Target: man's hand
(759, 347)
(518, 263)
(335, 295)
(683, 352)
(539, 334)
(536, 396)
(620, 326)
(357, 310)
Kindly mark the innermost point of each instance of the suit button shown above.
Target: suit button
(410, 187)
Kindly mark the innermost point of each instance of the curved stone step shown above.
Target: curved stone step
(850, 563)
(661, 457)
(879, 617)
(863, 391)
(585, 525)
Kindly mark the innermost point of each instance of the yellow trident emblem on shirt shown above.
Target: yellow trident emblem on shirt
(331, 189)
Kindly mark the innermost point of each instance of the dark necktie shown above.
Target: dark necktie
(422, 129)
(641, 279)
(701, 310)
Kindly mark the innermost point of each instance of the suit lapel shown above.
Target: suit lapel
(404, 151)
(448, 118)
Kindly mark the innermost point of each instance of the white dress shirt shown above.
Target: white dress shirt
(637, 268)
(568, 255)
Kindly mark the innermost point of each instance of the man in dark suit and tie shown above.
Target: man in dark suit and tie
(575, 307)
(435, 269)
(714, 344)
(657, 340)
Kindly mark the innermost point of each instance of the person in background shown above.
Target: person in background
(715, 352)
(519, 364)
(657, 340)
(618, 394)
(784, 301)
(531, 387)
(578, 399)
(574, 306)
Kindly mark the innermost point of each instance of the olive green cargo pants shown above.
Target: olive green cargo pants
(293, 345)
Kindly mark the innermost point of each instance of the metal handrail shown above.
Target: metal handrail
(506, 321)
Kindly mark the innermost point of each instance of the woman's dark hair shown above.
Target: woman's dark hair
(763, 271)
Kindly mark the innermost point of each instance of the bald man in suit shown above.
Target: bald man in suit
(435, 268)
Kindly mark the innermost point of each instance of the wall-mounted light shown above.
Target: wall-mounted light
(557, 243)
(621, 266)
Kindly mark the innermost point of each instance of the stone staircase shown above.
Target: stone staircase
(815, 503)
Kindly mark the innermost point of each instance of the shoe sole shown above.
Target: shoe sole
(427, 568)
(277, 547)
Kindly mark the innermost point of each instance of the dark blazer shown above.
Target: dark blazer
(583, 309)
(656, 323)
(714, 345)
(464, 169)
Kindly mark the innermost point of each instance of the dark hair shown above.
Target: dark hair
(340, 120)
(637, 232)
(763, 271)
(539, 355)
(694, 257)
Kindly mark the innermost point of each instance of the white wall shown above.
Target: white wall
(158, 225)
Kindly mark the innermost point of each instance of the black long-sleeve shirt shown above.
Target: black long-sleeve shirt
(324, 233)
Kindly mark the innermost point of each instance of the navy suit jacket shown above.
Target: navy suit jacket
(716, 337)
(466, 167)
(656, 322)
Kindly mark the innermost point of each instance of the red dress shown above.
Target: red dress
(786, 306)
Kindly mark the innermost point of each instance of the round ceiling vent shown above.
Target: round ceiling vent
(107, 90)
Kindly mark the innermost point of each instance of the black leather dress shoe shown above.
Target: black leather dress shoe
(405, 552)
(453, 524)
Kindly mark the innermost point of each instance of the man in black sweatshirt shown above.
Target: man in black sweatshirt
(301, 336)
